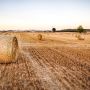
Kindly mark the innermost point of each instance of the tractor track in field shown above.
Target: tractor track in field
(43, 73)
(80, 80)
(76, 65)
(53, 70)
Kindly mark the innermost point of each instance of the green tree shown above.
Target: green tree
(80, 29)
(53, 29)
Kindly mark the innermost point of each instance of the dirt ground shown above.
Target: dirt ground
(58, 62)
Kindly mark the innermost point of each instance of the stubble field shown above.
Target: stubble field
(58, 62)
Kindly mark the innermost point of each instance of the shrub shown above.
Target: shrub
(80, 29)
(53, 29)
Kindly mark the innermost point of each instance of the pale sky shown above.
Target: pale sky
(44, 14)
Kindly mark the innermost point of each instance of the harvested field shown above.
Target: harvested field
(55, 63)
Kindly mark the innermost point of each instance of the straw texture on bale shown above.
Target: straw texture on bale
(8, 49)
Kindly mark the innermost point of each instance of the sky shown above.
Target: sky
(44, 14)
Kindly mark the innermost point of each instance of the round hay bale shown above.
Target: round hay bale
(8, 49)
(39, 36)
(79, 36)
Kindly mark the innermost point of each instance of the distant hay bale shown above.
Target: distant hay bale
(39, 37)
(8, 49)
(79, 37)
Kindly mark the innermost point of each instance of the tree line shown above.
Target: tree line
(79, 29)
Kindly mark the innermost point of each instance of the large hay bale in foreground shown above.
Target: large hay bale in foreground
(8, 49)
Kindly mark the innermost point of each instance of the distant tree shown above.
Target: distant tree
(53, 29)
(80, 29)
